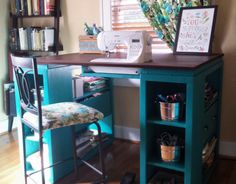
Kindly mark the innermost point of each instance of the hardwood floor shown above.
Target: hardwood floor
(121, 157)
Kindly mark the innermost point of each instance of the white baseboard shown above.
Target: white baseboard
(4, 125)
(228, 148)
(122, 132)
(133, 134)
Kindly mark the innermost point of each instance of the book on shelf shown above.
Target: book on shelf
(29, 7)
(31, 38)
(35, 7)
(23, 38)
(32, 7)
(49, 7)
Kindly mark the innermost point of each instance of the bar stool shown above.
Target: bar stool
(58, 115)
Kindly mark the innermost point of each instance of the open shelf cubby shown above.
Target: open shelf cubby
(153, 107)
(154, 151)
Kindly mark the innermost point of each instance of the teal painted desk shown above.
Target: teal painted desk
(168, 74)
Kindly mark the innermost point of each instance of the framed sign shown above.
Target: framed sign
(195, 30)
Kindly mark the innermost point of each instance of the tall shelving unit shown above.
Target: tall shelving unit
(17, 20)
(201, 122)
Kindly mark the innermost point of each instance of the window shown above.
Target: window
(127, 15)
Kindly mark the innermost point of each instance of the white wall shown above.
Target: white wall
(4, 7)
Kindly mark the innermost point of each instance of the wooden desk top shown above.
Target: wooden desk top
(164, 61)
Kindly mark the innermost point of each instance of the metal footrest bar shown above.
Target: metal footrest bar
(92, 167)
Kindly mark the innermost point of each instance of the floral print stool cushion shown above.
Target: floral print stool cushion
(63, 114)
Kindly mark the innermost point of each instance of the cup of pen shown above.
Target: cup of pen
(169, 107)
(170, 147)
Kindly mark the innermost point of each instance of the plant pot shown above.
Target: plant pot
(170, 153)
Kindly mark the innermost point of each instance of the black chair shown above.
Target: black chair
(41, 118)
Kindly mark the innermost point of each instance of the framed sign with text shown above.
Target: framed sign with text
(195, 30)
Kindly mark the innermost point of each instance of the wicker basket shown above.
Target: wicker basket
(88, 44)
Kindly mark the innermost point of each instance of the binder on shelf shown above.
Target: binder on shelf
(29, 30)
(48, 38)
(23, 38)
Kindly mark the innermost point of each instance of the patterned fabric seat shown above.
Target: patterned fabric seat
(63, 114)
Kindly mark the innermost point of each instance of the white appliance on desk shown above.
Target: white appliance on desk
(138, 50)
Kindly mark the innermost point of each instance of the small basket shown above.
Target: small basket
(169, 111)
(170, 153)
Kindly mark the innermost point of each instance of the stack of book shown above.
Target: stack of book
(93, 83)
(31, 38)
(32, 7)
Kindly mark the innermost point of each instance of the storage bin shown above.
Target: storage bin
(169, 111)
(88, 44)
(170, 153)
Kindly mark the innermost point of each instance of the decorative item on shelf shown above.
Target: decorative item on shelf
(211, 94)
(92, 30)
(171, 106)
(170, 147)
(88, 42)
(208, 153)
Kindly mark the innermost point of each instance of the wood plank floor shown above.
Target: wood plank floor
(122, 156)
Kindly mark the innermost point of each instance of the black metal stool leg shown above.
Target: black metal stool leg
(41, 156)
(24, 152)
(73, 133)
(10, 123)
(101, 158)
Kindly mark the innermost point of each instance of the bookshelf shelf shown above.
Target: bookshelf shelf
(50, 49)
(34, 16)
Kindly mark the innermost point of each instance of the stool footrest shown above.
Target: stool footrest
(90, 166)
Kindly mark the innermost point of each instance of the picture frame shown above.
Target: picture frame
(195, 30)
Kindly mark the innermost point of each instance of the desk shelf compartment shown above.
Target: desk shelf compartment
(153, 106)
(166, 176)
(154, 151)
